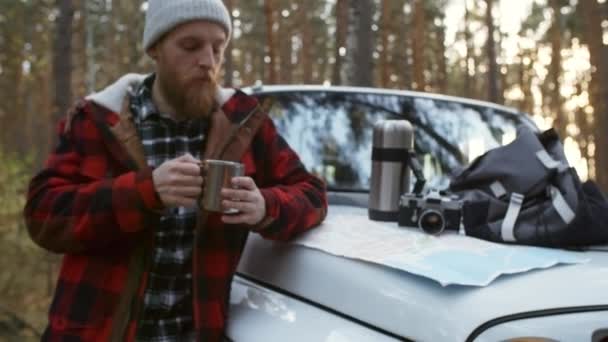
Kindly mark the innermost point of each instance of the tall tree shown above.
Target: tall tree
(418, 45)
(385, 30)
(360, 42)
(341, 14)
(130, 24)
(503, 68)
(525, 77)
(269, 12)
(493, 95)
(599, 60)
(12, 71)
(528, 57)
(286, 48)
(405, 40)
(585, 137)
(561, 121)
(307, 57)
(62, 59)
(249, 52)
(228, 58)
(442, 68)
(393, 45)
(468, 39)
(95, 70)
(89, 10)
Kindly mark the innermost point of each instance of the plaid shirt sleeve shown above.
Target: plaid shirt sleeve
(75, 204)
(296, 200)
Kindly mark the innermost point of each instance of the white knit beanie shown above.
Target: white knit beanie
(164, 15)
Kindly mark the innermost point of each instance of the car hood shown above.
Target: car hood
(406, 304)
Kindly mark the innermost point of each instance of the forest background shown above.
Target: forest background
(548, 58)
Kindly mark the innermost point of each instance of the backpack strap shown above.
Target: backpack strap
(498, 190)
(561, 206)
(508, 223)
(550, 163)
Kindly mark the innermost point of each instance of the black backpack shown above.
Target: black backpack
(526, 193)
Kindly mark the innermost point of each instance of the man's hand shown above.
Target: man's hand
(247, 199)
(179, 181)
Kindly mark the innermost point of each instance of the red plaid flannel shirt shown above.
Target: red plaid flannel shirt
(95, 202)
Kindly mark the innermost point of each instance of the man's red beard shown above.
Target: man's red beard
(192, 99)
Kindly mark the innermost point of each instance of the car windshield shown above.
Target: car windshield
(332, 132)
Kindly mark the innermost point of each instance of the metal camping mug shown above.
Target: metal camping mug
(218, 174)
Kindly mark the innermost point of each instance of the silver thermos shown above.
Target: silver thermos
(392, 142)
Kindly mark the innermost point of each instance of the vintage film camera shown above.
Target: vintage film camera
(432, 212)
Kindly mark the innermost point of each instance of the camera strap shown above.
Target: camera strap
(413, 162)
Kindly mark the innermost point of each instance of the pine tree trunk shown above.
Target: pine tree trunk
(133, 22)
(384, 56)
(270, 42)
(359, 41)
(28, 95)
(442, 76)
(407, 65)
(285, 51)
(90, 46)
(307, 43)
(469, 44)
(493, 95)
(525, 71)
(502, 77)
(561, 122)
(585, 136)
(107, 61)
(418, 45)
(407, 58)
(228, 58)
(62, 58)
(599, 59)
(340, 42)
(45, 136)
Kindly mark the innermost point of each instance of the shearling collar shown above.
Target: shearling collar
(113, 96)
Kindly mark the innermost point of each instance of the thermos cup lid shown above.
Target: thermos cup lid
(393, 134)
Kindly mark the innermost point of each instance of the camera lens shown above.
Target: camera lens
(431, 222)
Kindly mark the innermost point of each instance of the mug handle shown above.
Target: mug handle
(203, 168)
(203, 172)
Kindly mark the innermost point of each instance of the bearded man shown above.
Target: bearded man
(119, 196)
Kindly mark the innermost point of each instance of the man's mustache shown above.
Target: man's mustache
(207, 76)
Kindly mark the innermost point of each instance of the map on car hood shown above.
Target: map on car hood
(449, 259)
